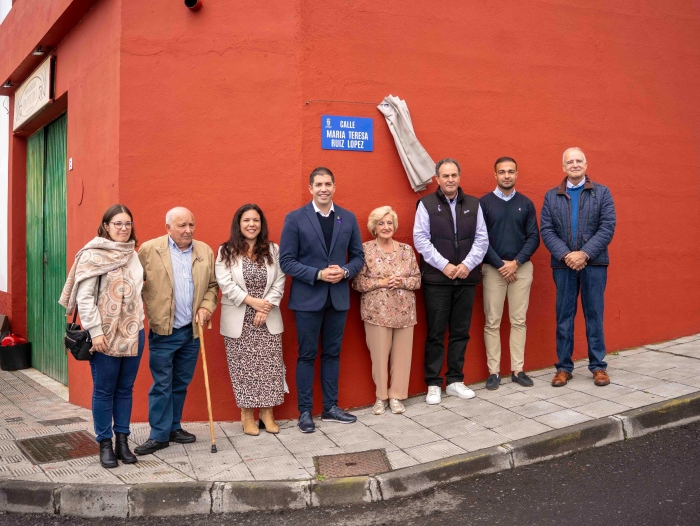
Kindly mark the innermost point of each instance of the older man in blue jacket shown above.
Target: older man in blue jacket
(577, 224)
(321, 249)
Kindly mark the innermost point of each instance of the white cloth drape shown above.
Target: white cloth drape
(419, 166)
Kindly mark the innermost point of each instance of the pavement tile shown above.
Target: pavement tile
(234, 473)
(276, 468)
(496, 418)
(420, 409)
(564, 418)
(601, 408)
(515, 399)
(479, 440)
(434, 451)
(398, 459)
(404, 438)
(521, 429)
(299, 443)
(545, 392)
(612, 392)
(693, 381)
(573, 400)
(670, 390)
(475, 406)
(436, 418)
(533, 409)
(459, 426)
(674, 374)
(637, 399)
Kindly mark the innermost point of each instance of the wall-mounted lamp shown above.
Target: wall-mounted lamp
(39, 51)
(7, 84)
(193, 5)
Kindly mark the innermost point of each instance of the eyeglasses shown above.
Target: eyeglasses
(119, 225)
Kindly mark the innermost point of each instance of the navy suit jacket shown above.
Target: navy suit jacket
(303, 253)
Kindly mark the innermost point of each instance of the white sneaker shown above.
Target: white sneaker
(460, 390)
(434, 395)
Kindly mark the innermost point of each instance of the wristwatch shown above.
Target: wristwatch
(346, 272)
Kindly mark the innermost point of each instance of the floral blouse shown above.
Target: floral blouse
(379, 305)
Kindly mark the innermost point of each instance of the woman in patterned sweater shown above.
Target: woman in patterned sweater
(388, 307)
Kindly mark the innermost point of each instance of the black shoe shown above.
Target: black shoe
(336, 414)
(121, 449)
(522, 379)
(306, 423)
(107, 457)
(493, 381)
(150, 446)
(182, 437)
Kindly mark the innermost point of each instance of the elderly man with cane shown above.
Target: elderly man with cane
(180, 292)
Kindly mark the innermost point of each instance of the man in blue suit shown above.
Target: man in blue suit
(321, 249)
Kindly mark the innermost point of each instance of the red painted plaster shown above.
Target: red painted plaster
(208, 110)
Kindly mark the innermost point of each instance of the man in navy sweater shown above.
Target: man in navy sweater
(578, 223)
(511, 221)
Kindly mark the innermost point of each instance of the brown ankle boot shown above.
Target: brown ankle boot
(248, 421)
(267, 421)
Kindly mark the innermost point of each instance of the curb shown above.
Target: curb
(203, 498)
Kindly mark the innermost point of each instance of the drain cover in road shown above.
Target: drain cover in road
(352, 464)
(57, 448)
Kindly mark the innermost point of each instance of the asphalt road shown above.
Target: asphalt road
(648, 481)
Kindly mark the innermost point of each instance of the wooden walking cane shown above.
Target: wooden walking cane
(206, 385)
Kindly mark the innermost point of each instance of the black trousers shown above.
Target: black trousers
(447, 306)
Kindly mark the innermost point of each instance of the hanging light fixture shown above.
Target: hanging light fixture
(7, 84)
(39, 51)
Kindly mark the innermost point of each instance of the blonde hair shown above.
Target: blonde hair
(376, 215)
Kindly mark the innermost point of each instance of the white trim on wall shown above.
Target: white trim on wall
(5, 6)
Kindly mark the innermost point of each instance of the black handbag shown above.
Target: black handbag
(77, 340)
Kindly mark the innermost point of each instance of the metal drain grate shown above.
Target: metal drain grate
(57, 448)
(62, 421)
(352, 464)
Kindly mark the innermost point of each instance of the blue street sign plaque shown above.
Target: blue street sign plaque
(347, 133)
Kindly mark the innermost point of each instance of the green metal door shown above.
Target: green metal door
(46, 247)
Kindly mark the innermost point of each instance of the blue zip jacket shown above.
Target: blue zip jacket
(596, 223)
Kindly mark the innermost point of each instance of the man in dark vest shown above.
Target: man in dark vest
(451, 237)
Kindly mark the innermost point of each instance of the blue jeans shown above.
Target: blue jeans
(172, 360)
(591, 283)
(113, 383)
(329, 325)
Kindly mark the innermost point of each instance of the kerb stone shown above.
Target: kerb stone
(94, 500)
(171, 498)
(566, 441)
(414, 479)
(675, 412)
(20, 496)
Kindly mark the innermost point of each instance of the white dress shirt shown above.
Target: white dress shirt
(503, 196)
(318, 210)
(421, 239)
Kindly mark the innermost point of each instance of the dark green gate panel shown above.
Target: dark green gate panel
(46, 248)
(55, 359)
(35, 246)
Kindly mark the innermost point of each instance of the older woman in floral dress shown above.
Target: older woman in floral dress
(388, 308)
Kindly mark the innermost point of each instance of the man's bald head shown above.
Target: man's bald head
(179, 223)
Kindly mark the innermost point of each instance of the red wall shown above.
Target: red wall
(212, 113)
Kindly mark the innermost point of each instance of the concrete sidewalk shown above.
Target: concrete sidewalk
(426, 440)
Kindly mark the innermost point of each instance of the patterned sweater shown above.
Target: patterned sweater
(379, 305)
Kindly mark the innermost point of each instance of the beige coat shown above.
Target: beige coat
(233, 292)
(158, 293)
